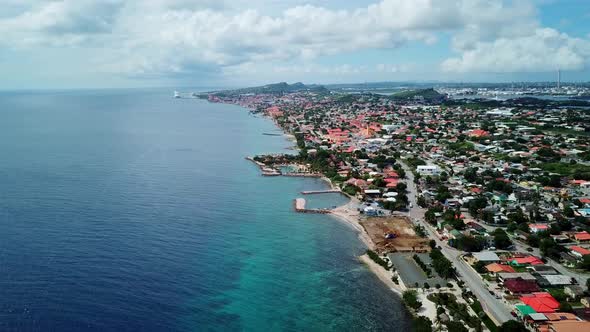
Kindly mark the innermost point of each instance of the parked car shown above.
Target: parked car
(529, 249)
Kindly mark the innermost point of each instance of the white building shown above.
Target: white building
(428, 170)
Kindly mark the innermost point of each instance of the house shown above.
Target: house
(585, 302)
(579, 252)
(499, 268)
(535, 228)
(529, 260)
(519, 275)
(542, 269)
(573, 292)
(521, 286)
(541, 302)
(426, 170)
(486, 256)
(569, 326)
(582, 237)
(554, 280)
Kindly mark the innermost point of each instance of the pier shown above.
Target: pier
(313, 192)
(299, 204)
(303, 175)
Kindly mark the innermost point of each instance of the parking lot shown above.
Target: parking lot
(411, 273)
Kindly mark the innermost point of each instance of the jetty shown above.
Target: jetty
(327, 191)
(303, 175)
(299, 204)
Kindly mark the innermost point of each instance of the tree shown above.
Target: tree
(480, 266)
(585, 264)
(512, 326)
(501, 239)
(432, 244)
(565, 307)
(456, 326)
(410, 298)
(422, 324)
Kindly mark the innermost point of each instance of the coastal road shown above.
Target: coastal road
(496, 309)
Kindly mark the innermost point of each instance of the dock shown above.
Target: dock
(303, 175)
(299, 204)
(327, 191)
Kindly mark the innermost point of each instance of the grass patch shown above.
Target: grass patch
(476, 306)
(375, 257)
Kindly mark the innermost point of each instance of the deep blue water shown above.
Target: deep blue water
(127, 210)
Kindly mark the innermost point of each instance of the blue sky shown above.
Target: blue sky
(139, 43)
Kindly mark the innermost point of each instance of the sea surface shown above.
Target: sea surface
(128, 210)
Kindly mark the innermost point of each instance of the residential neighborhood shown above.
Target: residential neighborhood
(502, 193)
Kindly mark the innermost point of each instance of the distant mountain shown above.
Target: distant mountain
(276, 88)
(419, 94)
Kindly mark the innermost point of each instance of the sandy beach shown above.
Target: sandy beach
(383, 275)
(348, 213)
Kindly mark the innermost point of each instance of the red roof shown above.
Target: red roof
(582, 236)
(478, 133)
(539, 226)
(528, 260)
(585, 200)
(541, 302)
(580, 250)
(520, 286)
(495, 267)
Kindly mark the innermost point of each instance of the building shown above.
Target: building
(569, 326)
(521, 286)
(486, 256)
(579, 252)
(426, 170)
(535, 228)
(499, 268)
(540, 302)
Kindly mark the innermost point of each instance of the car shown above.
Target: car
(529, 249)
(492, 292)
(513, 313)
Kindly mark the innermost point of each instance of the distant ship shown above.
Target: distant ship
(176, 94)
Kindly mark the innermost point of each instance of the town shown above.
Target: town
(477, 212)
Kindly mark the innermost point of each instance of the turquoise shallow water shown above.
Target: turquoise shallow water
(127, 210)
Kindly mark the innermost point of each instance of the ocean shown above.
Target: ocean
(128, 210)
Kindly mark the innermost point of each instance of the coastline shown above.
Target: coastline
(350, 216)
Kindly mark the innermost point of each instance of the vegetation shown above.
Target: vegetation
(422, 324)
(501, 239)
(576, 171)
(512, 326)
(375, 257)
(422, 265)
(410, 298)
(441, 264)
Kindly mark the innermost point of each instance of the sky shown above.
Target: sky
(47, 44)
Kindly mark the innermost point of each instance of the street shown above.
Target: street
(496, 309)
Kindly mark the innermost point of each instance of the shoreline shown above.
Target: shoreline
(350, 216)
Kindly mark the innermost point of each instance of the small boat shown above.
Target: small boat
(176, 94)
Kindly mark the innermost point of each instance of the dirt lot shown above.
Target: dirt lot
(405, 238)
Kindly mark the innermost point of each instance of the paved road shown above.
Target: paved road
(496, 309)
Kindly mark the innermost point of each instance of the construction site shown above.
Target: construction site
(394, 234)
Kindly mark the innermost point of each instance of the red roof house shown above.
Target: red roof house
(498, 268)
(530, 260)
(582, 236)
(541, 302)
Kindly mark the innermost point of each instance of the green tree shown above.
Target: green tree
(501, 239)
(422, 324)
(512, 326)
(410, 298)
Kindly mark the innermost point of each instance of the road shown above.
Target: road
(496, 309)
